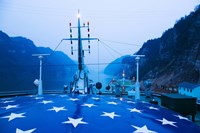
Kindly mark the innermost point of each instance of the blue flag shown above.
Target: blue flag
(88, 114)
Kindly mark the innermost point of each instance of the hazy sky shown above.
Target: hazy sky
(46, 22)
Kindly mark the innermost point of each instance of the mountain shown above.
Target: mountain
(59, 69)
(115, 67)
(172, 58)
(18, 68)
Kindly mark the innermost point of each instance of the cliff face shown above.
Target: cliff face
(172, 58)
(18, 68)
(178, 53)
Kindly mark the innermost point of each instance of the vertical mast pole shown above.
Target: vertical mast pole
(40, 89)
(80, 47)
(137, 84)
(40, 56)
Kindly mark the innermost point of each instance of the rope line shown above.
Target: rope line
(98, 61)
(130, 44)
(111, 48)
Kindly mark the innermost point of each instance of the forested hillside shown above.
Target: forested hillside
(19, 69)
(172, 58)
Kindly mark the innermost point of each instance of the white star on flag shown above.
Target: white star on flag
(73, 99)
(113, 98)
(135, 110)
(153, 108)
(111, 115)
(31, 96)
(121, 99)
(143, 129)
(88, 105)
(166, 122)
(4, 99)
(63, 95)
(10, 107)
(57, 109)
(95, 98)
(8, 101)
(46, 102)
(182, 118)
(75, 122)
(114, 103)
(130, 102)
(27, 131)
(36, 98)
(13, 116)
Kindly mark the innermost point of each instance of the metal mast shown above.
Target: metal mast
(80, 46)
(40, 56)
(137, 84)
(81, 78)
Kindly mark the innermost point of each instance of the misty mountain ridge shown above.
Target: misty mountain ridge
(18, 68)
(170, 59)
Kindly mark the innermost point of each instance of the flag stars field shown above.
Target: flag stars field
(167, 122)
(135, 110)
(8, 101)
(63, 95)
(46, 102)
(75, 122)
(131, 102)
(182, 118)
(88, 114)
(57, 109)
(10, 106)
(88, 105)
(143, 129)
(95, 98)
(27, 131)
(111, 115)
(153, 108)
(114, 103)
(73, 99)
(36, 98)
(13, 116)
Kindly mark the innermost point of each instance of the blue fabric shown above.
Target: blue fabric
(96, 114)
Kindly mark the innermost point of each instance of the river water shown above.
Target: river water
(100, 77)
